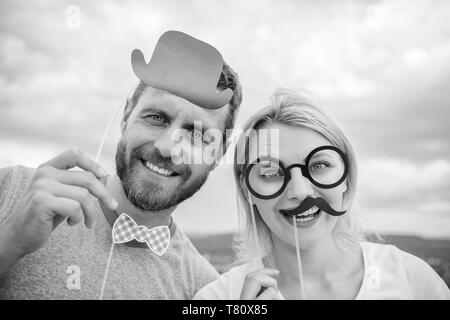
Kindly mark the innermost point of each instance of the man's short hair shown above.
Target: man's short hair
(228, 79)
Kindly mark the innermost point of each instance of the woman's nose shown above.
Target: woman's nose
(299, 187)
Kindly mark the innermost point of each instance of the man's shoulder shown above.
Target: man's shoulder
(13, 182)
(200, 270)
(14, 174)
(16, 169)
(189, 252)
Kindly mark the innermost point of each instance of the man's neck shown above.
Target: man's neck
(142, 217)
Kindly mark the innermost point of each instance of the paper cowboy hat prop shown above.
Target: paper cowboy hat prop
(186, 67)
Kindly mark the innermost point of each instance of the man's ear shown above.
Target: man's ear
(216, 162)
(126, 115)
(219, 151)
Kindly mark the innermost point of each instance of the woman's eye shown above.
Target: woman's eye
(269, 173)
(319, 166)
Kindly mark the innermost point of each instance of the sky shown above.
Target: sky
(380, 69)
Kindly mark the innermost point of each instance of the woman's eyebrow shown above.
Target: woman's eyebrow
(322, 155)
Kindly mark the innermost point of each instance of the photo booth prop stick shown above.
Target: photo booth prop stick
(299, 262)
(125, 229)
(252, 189)
(255, 234)
(190, 69)
(259, 253)
(186, 67)
(297, 248)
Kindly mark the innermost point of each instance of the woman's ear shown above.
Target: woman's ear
(346, 196)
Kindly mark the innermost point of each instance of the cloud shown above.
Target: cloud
(387, 182)
(381, 69)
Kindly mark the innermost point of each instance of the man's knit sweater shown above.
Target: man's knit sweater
(135, 273)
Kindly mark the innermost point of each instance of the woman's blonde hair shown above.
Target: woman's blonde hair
(294, 109)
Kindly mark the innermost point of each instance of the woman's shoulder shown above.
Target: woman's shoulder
(229, 284)
(396, 265)
(391, 254)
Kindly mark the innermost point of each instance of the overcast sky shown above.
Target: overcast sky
(380, 68)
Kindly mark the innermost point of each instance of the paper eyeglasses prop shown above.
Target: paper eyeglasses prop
(186, 67)
(326, 167)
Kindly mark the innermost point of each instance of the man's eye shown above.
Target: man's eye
(157, 118)
(197, 136)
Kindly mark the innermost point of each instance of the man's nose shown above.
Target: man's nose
(299, 187)
(165, 142)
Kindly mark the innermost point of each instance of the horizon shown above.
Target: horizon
(62, 81)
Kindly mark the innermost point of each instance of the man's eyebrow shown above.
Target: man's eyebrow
(190, 126)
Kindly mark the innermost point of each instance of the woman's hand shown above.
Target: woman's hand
(260, 280)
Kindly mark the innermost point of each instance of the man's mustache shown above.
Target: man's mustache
(310, 202)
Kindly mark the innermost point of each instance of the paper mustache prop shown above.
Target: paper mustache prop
(310, 202)
(186, 67)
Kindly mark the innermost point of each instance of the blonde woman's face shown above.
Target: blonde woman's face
(292, 145)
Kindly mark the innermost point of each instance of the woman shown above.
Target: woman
(296, 183)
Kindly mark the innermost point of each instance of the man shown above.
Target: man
(42, 258)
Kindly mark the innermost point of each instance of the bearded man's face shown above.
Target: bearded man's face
(145, 163)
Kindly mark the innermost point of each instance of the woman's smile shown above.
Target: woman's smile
(305, 219)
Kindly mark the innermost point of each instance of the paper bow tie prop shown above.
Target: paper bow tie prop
(125, 229)
(186, 67)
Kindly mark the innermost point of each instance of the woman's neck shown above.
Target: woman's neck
(320, 263)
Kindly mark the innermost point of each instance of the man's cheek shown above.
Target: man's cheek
(213, 152)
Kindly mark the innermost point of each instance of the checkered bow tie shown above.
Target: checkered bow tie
(125, 229)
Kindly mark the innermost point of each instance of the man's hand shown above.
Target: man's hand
(54, 194)
(257, 280)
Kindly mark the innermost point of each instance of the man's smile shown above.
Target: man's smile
(159, 170)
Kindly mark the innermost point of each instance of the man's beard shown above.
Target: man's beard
(145, 194)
